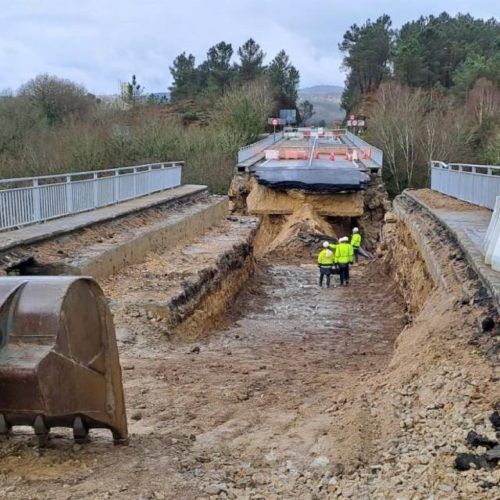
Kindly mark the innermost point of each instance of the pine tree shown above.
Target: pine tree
(251, 57)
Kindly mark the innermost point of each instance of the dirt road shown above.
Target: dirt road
(249, 411)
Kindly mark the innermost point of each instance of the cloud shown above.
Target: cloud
(101, 43)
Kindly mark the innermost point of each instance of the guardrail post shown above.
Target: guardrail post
(148, 180)
(37, 209)
(116, 187)
(94, 184)
(134, 181)
(69, 194)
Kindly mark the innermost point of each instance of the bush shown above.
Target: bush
(105, 137)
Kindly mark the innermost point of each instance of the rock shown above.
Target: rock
(128, 367)
(195, 350)
(445, 488)
(338, 469)
(137, 415)
(495, 420)
(493, 455)
(390, 218)
(260, 478)
(320, 462)
(475, 439)
(215, 489)
(487, 324)
(466, 461)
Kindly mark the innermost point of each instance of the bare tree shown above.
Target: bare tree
(414, 126)
(57, 98)
(484, 100)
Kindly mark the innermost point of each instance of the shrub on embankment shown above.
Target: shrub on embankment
(94, 136)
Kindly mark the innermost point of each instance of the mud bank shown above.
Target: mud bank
(185, 288)
(106, 247)
(293, 222)
(442, 380)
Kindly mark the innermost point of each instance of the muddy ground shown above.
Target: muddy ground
(248, 411)
(366, 391)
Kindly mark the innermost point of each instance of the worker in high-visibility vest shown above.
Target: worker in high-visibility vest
(333, 247)
(344, 255)
(333, 244)
(356, 243)
(326, 260)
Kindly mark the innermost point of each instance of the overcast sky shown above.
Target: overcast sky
(102, 42)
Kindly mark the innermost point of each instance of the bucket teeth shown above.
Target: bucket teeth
(59, 364)
(41, 430)
(80, 431)
(4, 426)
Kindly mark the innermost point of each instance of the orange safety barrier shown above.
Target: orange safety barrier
(330, 155)
(366, 154)
(293, 154)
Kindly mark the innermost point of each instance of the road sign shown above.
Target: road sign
(275, 122)
(352, 117)
(354, 123)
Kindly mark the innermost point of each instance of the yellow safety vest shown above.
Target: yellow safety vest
(344, 253)
(356, 240)
(326, 257)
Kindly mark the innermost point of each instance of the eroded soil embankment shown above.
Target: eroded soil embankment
(299, 394)
(441, 381)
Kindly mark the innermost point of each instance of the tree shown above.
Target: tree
(474, 67)
(484, 101)
(367, 50)
(57, 98)
(132, 91)
(218, 68)
(186, 78)
(251, 57)
(18, 119)
(244, 110)
(284, 79)
(431, 50)
(306, 111)
(408, 124)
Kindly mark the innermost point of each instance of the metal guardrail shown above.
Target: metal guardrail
(246, 152)
(377, 155)
(29, 200)
(477, 184)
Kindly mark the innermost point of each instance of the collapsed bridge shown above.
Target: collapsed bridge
(239, 374)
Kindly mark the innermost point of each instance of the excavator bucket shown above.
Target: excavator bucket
(59, 364)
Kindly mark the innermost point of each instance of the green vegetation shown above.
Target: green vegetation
(53, 125)
(206, 82)
(431, 90)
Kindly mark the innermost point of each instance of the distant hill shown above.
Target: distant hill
(326, 102)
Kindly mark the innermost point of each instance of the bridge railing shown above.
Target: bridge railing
(246, 152)
(376, 154)
(477, 184)
(28, 200)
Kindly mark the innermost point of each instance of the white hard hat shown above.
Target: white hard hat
(326, 244)
(355, 230)
(344, 239)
